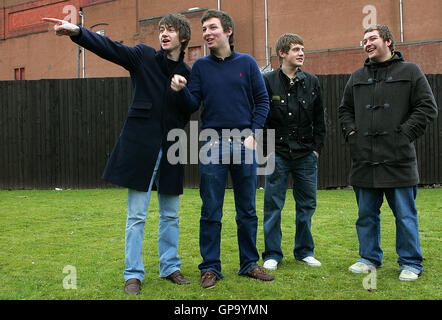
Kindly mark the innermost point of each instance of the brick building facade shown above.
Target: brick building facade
(332, 31)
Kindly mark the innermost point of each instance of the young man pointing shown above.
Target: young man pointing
(138, 160)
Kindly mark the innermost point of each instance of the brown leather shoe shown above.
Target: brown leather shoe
(177, 277)
(208, 280)
(259, 273)
(132, 286)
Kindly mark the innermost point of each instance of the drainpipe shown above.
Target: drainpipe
(137, 17)
(78, 61)
(219, 5)
(401, 18)
(82, 49)
(267, 33)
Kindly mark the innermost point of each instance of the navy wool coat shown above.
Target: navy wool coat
(153, 112)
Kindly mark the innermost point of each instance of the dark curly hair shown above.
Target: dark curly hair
(181, 25)
(225, 19)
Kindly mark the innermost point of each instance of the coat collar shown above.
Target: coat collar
(161, 57)
(299, 74)
(397, 56)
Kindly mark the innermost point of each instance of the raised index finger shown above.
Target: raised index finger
(52, 20)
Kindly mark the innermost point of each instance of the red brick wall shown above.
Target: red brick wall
(2, 23)
(325, 26)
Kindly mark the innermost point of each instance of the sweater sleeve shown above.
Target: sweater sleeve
(191, 94)
(125, 56)
(260, 98)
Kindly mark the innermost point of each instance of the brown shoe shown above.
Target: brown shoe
(177, 277)
(259, 273)
(208, 280)
(132, 286)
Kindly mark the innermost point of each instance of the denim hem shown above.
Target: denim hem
(299, 258)
(218, 275)
(272, 257)
(169, 273)
(410, 268)
(368, 262)
(244, 270)
(127, 277)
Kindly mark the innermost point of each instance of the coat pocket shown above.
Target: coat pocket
(398, 81)
(278, 110)
(140, 110)
(404, 148)
(306, 104)
(360, 147)
(396, 90)
(353, 144)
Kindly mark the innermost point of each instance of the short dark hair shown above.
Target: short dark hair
(225, 19)
(384, 32)
(285, 42)
(181, 25)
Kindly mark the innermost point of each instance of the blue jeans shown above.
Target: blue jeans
(213, 177)
(168, 230)
(368, 226)
(305, 172)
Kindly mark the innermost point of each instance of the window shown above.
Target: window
(194, 53)
(19, 73)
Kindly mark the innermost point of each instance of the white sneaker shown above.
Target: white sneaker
(407, 275)
(360, 267)
(311, 261)
(270, 264)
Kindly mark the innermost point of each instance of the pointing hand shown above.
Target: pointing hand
(63, 28)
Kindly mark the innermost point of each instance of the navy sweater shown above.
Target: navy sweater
(232, 92)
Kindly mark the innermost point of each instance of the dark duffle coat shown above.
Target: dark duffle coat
(153, 112)
(389, 105)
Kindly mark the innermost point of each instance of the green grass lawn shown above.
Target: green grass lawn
(42, 232)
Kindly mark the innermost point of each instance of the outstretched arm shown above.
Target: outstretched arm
(127, 57)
